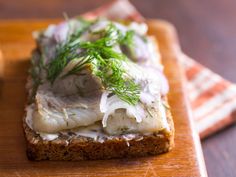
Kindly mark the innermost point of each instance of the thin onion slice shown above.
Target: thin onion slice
(111, 104)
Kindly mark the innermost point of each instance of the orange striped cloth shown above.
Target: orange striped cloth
(212, 98)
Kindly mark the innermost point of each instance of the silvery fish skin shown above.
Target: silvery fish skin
(54, 113)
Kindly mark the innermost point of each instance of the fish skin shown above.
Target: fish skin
(55, 113)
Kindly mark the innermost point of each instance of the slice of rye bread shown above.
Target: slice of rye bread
(73, 148)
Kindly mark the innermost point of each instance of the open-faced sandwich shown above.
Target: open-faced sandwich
(96, 91)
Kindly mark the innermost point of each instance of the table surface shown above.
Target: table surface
(207, 34)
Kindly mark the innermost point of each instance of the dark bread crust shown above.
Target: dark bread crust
(82, 148)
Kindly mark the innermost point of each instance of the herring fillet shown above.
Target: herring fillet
(120, 123)
(54, 113)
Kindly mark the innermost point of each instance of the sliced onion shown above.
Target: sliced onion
(159, 74)
(99, 26)
(140, 50)
(111, 104)
(103, 102)
(61, 32)
(49, 31)
(147, 98)
(140, 28)
(136, 111)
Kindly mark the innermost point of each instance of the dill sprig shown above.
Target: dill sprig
(66, 51)
(127, 43)
(127, 40)
(106, 63)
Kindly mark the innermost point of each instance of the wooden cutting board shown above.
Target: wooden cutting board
(16, 44)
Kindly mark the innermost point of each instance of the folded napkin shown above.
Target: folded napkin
(212, 98)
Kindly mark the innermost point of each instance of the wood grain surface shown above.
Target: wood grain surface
(16, 44)
(207, 33)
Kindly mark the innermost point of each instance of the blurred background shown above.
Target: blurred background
(207, 33)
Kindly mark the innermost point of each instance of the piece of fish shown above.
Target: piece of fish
(55, 113)
(147, 116)
(122, 123)
(70, 102)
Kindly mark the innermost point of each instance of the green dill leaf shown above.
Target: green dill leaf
(85, 24)
(66, 52)
(66, 17)
(128, 38)
(144, 38)
(101, 56)
(83, 62)
(127, 42)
